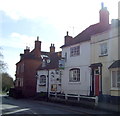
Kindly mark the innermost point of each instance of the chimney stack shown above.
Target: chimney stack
(38, 44)
(68, 39)
(52, 48)
(27, 50)
(104, 15)
(37, 50)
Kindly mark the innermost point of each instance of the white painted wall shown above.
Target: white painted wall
(83, 62)
(41, 88)
(52, 80)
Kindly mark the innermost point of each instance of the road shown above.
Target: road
(26, 106)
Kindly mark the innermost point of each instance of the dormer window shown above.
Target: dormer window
(43, 63)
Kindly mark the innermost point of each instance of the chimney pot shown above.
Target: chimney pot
(37, 38)
(67, 33)
(52, 48)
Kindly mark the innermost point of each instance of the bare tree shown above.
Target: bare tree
(3, 65)
(7, 82)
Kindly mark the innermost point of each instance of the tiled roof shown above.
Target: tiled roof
(88, 32)
(54, 62)
(29, 56)
(115, 64)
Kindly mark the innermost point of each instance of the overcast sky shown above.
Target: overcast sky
(21, 21)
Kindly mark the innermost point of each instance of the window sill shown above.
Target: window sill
(74, 83)
(103, 55)
(42, 84)
(115, 89)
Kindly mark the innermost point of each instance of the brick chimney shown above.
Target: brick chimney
(104, 15)
(27, 50)
(38, 44)
(67, 39)
(52, 48)
(37, 49)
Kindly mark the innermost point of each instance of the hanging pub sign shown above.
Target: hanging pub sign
(61, 63)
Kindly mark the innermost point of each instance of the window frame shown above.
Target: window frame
(115, 78)
(75, 51)
(103, 49)
(42, 80)
(74, 75)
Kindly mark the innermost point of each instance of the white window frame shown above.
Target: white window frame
(103, 49)
(116, 82)
(42, 80)
(75, 51)
(74, 75)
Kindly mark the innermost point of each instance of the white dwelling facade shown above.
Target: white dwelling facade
(49, 74)
(48, 81)
(76, 75)
(42, 81)
(77, 54)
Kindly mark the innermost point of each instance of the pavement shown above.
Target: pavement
(100, 106)
(109, 107)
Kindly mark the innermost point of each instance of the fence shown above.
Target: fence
(75, 98)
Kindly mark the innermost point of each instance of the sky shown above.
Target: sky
(21, 21)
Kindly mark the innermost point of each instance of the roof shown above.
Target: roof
(54, 62)
(29, 56)
(115, 64)
(96, 65)
(86, 34)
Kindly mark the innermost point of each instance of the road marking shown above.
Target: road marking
(20, 110)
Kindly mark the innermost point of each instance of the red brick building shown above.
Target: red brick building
(25, 83)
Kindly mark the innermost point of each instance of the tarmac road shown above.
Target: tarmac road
(26, 106)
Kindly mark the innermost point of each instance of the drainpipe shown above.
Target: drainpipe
(101, 77)
(48, 85)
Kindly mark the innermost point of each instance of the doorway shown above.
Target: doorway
(96, 82)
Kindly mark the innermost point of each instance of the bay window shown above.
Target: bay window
(115, 79)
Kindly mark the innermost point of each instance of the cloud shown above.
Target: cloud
(60, 13)
(17, 40)
(63, 14)
(20, 41)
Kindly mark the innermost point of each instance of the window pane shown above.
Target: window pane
(113, 79)
(42, 79)
(74, 51)
(118, 79)
(118, 85)
(103, 48)
(118, 76)
(74, 75)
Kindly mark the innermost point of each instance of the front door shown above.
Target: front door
(96, 82)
